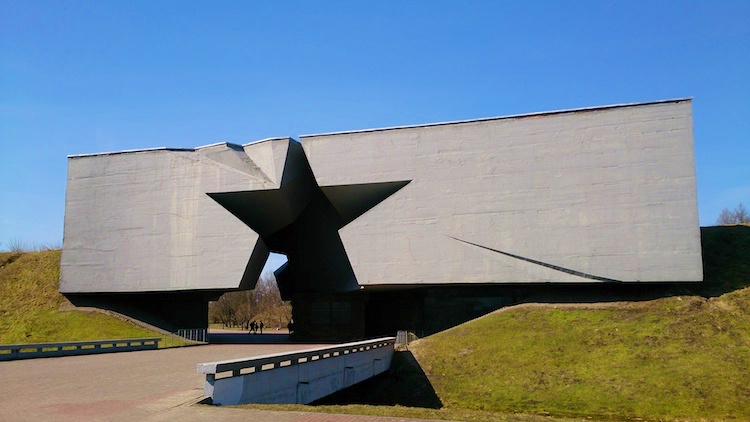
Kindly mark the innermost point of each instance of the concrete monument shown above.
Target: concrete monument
(386, 228)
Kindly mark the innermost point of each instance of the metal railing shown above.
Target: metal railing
(185, 337)
(278, 360)
(295, 377)
(404, 338)
(193, 334)
(70, 348)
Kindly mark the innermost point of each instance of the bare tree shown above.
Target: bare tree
(739, 215)
(245, 307)
(17, 245)
(271, 308)
(263, 303)
(725, 217)
(222, 311)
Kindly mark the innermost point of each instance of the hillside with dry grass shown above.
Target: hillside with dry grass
(32, 309)
(684, 356)
(679, 357)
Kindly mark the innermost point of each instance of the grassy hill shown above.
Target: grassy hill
(685, 356)
(678, 357)
(30, 305)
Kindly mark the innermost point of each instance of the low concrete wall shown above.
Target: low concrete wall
(70, 348)
(297, 377)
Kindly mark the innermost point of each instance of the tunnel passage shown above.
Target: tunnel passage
(301, 220)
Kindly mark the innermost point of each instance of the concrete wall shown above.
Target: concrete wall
(600, 195)
(300, 383)
(605, 194)
(142, 221)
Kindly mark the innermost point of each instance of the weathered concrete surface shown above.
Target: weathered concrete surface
(299, 377)
(599, 195)
(142, 221)
(603, 194)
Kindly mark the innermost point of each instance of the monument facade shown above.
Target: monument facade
(385, 228)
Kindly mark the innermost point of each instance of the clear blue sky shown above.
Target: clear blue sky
(93, 76)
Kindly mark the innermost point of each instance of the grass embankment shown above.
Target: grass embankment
(30, 305)
(447, 414)
(682, 357)
(670, 358)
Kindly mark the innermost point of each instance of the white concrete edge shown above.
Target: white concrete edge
(77, 343)
(215, 144)
(452, 122)
(130, 151)
(511, 116)
(276, 138)
(210, 367)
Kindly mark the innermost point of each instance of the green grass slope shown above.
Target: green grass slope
(681, 357)
(30, 305)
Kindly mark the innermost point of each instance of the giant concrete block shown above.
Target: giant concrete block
(598, 195)
(593, 195)
(142, 221)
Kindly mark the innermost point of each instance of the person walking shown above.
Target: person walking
(261, 327)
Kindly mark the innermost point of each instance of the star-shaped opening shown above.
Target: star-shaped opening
(302, 220)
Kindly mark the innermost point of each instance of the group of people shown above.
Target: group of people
(256, 326)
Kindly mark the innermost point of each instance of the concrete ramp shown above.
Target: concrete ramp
(295, 377)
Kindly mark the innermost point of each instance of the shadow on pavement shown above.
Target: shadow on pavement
(245, 338)
(218, 336)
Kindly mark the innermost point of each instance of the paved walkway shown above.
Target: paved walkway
(154, 385)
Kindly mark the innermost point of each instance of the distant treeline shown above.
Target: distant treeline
(264, 303)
